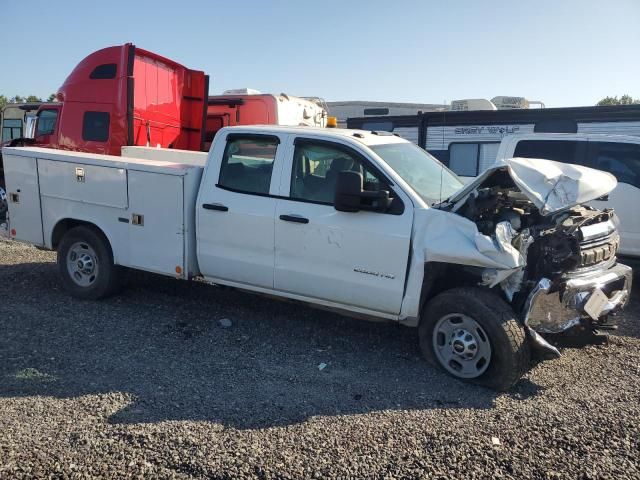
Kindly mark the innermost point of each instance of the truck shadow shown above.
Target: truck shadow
(162, 344)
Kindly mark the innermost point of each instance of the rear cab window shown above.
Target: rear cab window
(11, 128)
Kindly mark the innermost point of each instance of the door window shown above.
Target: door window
(315, 172)
(46, 122)
(463, 159)
(620, 159)
(247, 164)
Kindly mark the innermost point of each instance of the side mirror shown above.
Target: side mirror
(30, 126)
(350, 196)
(348, 191)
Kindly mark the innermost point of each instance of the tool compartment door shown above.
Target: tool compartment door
(156, 204)
(23, 192)
(78, 182)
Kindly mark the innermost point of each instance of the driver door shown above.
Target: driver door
(357, 259)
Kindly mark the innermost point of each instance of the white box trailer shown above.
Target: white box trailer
(111, 193)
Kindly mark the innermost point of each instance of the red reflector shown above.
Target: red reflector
(13, 232)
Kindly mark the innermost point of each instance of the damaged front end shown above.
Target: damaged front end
(553, 258)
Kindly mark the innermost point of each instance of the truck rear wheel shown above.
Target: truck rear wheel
(86, 264)
(474, 336)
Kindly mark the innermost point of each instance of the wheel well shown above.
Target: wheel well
(439, 277)
(63, 226)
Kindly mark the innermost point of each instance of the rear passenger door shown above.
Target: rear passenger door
(235, 229)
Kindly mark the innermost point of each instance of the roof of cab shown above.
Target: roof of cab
(363, 136)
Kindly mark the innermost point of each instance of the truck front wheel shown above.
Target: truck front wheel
(474, 335)
(86, 264)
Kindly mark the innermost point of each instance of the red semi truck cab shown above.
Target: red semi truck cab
(125, 95)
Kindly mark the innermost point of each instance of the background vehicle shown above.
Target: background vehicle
(125, 95)
(341, 219)
(616, 154)
(250, 107)
(344, 110)
(467, 141)
(15, 120)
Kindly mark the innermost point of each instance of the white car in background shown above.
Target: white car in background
(616, 154)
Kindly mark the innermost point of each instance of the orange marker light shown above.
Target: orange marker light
(332, 122)
(178, 269)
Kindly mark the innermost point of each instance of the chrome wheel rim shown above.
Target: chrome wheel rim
(461, 345)
(82, 264)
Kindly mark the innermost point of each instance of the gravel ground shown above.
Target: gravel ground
(156, 383)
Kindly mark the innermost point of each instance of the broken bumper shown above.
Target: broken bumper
(554, 308)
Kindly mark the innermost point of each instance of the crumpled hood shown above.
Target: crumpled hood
(551, 186)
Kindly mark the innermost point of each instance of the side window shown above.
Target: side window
(620, 159)
(315, 172)
(247, 163)
(556, 125)
(95, 126)
(566, 151)
(104, 72)
(11, 128)
(463, 159)
(46, 122)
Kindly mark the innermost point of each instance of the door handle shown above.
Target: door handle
(294, 218)
(215, 206)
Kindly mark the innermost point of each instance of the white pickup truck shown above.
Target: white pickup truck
(364, 223)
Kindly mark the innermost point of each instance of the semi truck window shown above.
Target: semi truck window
(95, 126)
(247, 164)
(463, 158)
(104, 72)
(378, 126)
(11, 128)
(566, 151)
(315, 172)
(46, 122)
(620, 159)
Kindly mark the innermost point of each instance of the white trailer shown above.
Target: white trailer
(363, 223)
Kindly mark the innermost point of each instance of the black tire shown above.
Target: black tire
(105, 280)
(509, 347)
(4, 205)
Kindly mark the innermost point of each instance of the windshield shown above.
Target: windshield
(424, 173)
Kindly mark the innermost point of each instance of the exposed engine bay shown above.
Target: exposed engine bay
(553, 249)
(560, 242)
